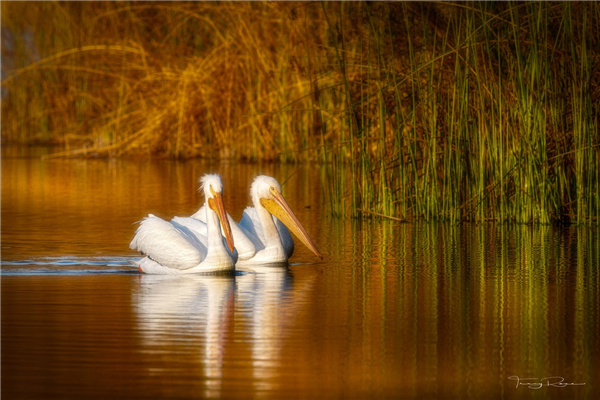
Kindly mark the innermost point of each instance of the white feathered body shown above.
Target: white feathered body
(252, 244)
(183, 247)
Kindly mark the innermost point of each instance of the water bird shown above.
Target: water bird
(173, 249)
(263, 234)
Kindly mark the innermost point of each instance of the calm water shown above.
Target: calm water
(393, 311)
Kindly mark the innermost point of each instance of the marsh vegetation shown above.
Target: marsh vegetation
(478, 111)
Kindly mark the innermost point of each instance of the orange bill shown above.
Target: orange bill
(280, 208)
(216, 204)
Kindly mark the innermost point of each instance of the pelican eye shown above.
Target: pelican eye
(212, 191)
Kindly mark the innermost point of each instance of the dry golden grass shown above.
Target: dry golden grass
(174, 79)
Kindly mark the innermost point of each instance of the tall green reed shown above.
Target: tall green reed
(475, 105)
(479, 111)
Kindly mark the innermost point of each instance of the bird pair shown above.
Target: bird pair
(204, 242)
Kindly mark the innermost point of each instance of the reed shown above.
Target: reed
(479, 111)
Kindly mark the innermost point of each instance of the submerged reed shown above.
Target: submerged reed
(478, 111)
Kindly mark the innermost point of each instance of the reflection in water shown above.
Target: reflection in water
(459, 309)
(393, 310)
(196, 313)
(265, 297)
(194, 307)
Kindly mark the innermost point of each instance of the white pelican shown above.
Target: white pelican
(173, 249)
(261, 237)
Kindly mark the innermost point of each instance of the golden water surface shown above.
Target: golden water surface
(414, 311)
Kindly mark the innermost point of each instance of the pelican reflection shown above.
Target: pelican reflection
(269, 298)
(187, 312)
(204, 327)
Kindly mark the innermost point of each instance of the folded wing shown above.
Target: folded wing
(173, 246)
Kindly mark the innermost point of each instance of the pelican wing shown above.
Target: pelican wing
(200, 214)
(251, 223)
(246, 243)
(198, 228)
(168, 245)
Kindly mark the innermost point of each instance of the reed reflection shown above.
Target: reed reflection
(446, 302)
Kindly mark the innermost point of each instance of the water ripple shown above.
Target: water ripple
(69, 266)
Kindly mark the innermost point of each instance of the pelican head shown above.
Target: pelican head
(212, 187)
(266, 191)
